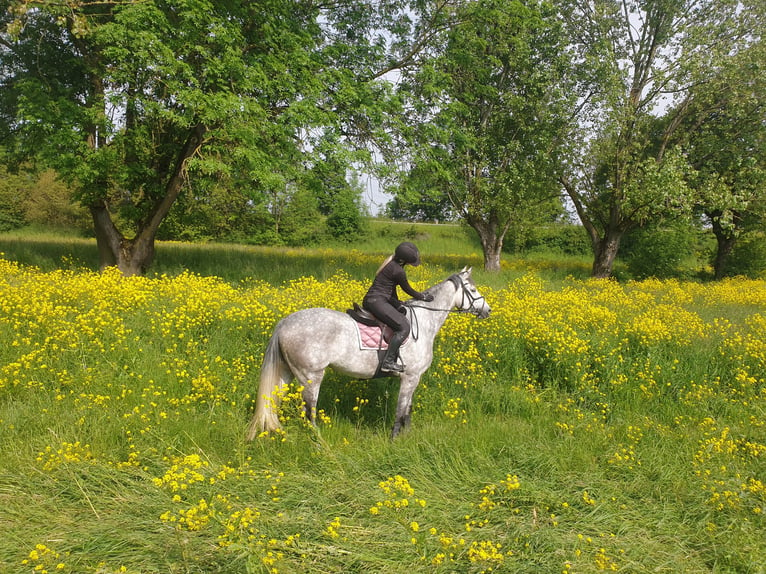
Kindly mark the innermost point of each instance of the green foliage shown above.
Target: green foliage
(37, 199)
(345, 220)
(489, 109)
(658, 251)
(48, 202)
(729, 148)
(11, 216)
(496, 105)
(748, 258)
(12, 189)
(221, 214)
(302, 223)
(429, 208)
(131, 103)
(622, 170)
(559, 238)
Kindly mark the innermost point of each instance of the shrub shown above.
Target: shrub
(346, 218)
(748, 258)
(302, 222)
(11, 192)
(559, 238)
(48, 202)
(657, 251)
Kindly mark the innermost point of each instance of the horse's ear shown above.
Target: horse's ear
(467, 270)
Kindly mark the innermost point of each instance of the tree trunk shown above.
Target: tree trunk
(491, 240)
(492, 252)
(605, 252)
(604, 248)
(134, 256)
(130, 256)
(107, 237)
(725, 242)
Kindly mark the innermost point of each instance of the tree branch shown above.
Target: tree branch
(587, 222)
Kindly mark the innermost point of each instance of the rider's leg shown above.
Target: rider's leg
(386, 313)
(390, 362)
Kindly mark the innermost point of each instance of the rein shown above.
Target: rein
(411, 304)
(455, 279)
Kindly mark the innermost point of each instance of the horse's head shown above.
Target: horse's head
(468, 298)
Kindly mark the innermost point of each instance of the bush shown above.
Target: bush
(346, 219)
(39, 199)
(11, 214)
(48, 202)
(558, 238)
(11, 192)
(302, 222)
(748, 258)
(658, 251)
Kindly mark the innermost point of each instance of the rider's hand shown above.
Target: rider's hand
(427, 297)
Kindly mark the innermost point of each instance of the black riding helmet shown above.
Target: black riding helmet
(407, 253)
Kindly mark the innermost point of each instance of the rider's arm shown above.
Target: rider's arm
(401, 280)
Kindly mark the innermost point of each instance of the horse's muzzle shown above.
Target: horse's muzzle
(484, 312)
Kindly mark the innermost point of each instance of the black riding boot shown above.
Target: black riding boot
(391, 362)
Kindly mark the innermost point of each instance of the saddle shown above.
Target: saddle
(363, 316)
(373, 334)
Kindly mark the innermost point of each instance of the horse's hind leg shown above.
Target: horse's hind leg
(311, 395)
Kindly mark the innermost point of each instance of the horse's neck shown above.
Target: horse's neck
(431, 317)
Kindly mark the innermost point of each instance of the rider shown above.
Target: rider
(382, 301)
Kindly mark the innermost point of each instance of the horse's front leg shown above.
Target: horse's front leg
(404, 403)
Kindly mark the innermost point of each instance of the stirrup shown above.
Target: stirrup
(392, 367)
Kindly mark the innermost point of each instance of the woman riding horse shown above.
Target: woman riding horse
(307, 342)
(382, 300)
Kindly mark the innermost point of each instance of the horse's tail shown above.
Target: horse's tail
(273, 373)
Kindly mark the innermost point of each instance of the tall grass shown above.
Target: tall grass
(446, 247)
(587, 426)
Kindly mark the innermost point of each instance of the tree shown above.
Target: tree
(659, 251)
(346, 218)
(638, 57)
(724, 136)
(426, 207)
(135, 101)
(11, 209)
(338, 192)
(303, 223)
(486, 116)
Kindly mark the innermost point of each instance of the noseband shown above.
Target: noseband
(460, 284)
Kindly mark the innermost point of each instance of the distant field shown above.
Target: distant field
(444, 245)
(586, 426)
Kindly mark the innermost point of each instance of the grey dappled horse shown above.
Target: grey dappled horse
(306, 342)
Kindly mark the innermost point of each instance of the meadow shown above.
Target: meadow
(586, 426)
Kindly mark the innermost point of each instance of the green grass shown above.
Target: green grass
(447, 247)
(618, 447)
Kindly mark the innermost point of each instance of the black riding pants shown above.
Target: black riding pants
(388, 314)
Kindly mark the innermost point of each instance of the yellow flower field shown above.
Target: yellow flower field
(585, 426)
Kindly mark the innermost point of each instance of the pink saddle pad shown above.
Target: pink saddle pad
(372, 337)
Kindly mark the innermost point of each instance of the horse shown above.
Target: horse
(303, 344)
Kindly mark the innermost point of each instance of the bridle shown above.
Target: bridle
(459, 285)
(472, 308)
(466, 294)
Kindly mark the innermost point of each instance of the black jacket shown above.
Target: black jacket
(385, 284)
